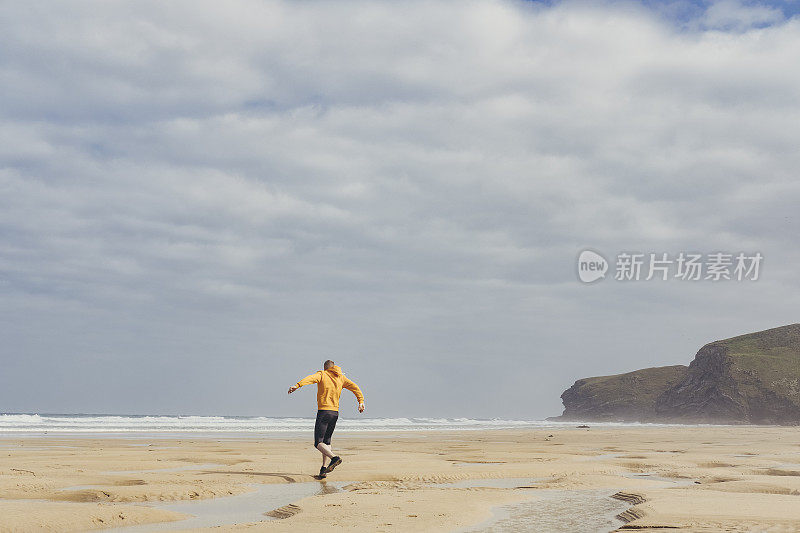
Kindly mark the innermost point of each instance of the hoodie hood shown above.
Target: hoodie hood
(335, 371)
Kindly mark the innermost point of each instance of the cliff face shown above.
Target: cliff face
(753, 378)
(623, 397)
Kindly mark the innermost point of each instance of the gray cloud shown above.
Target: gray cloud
(199, 202)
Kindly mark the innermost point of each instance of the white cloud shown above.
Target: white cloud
(739, 16)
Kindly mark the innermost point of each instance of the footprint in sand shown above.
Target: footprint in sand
(284, 512)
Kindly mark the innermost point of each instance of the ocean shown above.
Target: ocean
(93, 423)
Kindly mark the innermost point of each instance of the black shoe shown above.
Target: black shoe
(323, 472)
(336, 461)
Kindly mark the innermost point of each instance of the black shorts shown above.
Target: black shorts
(323, 428)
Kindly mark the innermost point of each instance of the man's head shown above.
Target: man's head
(327, 364)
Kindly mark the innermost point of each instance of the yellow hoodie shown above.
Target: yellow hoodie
(329, 387)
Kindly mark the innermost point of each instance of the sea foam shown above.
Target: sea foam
(57, 423)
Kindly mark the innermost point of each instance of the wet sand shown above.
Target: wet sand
(693, 478)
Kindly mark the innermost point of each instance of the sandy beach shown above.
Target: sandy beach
(692, 478)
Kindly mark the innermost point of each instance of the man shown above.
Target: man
(330, 382)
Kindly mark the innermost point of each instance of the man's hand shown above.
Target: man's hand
(361, 408)
(292, 389)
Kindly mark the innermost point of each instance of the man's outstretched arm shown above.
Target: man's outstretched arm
(352, 387)
(308, 380)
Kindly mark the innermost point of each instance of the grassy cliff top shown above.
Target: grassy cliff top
(776, 341)
(771, 356)
(770, 344)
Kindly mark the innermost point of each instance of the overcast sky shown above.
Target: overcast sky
(201, 201)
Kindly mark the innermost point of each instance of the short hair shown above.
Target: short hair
(328, 364)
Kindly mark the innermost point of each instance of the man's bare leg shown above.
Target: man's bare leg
(325, 456)
(324, 460)
(326, 452)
